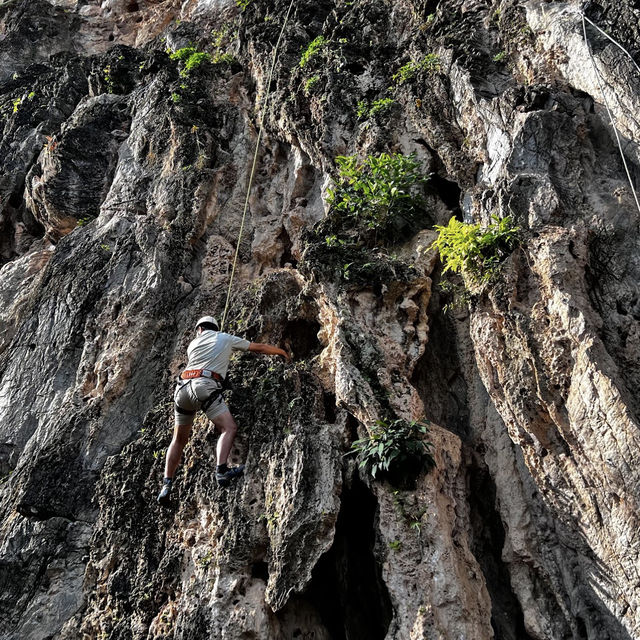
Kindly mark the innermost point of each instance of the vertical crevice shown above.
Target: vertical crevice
(346, 589)
(438, 376)
(507, 618)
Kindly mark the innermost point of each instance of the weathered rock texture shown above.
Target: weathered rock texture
(121, 192)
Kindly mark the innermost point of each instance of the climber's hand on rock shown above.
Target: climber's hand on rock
(269, 350)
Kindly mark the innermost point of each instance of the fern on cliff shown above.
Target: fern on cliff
(473, 251)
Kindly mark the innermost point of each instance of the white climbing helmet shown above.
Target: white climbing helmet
(208, 320)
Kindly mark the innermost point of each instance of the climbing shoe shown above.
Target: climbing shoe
(225, 477)
(165, 493)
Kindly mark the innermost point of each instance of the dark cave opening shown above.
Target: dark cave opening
(346, 587)
(448, 191)
(260, 570)
(301, 337)
(330, 408)
(356, 68)
(287, 256)
(507, 618)
(352, 427)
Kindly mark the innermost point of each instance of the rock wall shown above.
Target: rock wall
(122, 187)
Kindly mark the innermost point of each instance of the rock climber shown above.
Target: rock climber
(199, 387)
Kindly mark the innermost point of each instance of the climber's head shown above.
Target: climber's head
(207, 323)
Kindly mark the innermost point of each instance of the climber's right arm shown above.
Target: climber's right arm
(268, 349)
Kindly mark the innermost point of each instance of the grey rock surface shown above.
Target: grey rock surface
(121, 193)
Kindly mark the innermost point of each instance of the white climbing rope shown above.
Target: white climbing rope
(255, 161)
(604, 97)
(606, 35)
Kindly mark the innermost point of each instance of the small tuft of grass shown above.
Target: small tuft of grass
(430, 62)
(312, 50)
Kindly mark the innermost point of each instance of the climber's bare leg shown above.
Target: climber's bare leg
(228, 429)
(181, 433)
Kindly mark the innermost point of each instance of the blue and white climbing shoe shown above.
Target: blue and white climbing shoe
(232, 472)
(165, 493)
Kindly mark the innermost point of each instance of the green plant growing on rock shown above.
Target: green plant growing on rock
(202, 158)
(375, 202)
(221, 41)
(190, 58)
(473, 251)
(270, 519)
(380, 106)
(363, 109)
(377, 190)
(409, 508)
(309, 84)
(430, 62)
(312, 50)
(223, 58)
(205, 560)
(377, 107)
(219, 36)
(108, 78)
(393, 444)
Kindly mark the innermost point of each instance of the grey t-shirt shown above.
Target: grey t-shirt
(212, 349)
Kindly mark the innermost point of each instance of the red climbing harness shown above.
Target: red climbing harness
(200, 373)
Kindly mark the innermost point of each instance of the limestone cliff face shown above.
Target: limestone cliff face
(121, 192)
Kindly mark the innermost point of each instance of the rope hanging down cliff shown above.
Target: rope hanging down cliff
(255, 160)
(604, 97)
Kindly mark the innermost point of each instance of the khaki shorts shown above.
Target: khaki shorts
(189, 396)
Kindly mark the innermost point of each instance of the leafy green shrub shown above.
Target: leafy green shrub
(220, 36)
(430, 62)
(312, 50)
(377, 107)
(392, 445)
(191, 59)
(378, 191)
(475, 252)
(363, 109)
(375, 203)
